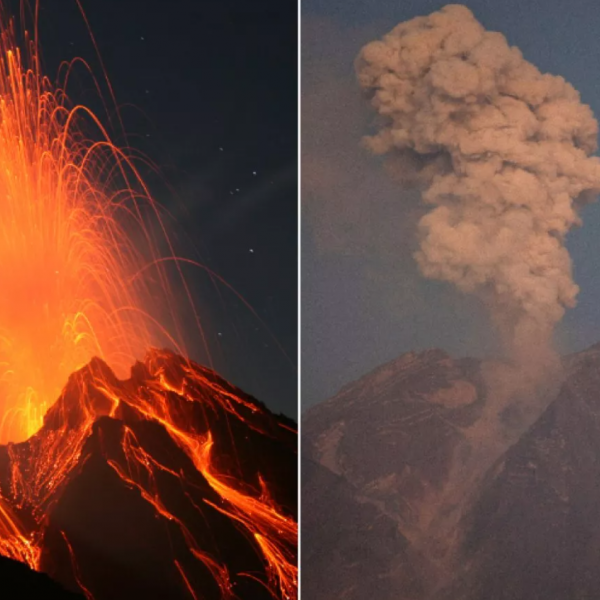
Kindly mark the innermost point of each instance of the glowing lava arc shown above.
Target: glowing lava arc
(73, 236)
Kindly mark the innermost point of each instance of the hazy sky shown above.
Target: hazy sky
(363, 300)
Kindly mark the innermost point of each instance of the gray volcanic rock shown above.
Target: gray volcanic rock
(482, 510)
(534, 529)
(375, 558)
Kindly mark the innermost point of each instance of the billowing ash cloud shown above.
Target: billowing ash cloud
(502, 153)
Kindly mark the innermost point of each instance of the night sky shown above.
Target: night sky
(208, 91)
(363, 300)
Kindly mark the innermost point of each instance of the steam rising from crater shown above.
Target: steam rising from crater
(502, 155)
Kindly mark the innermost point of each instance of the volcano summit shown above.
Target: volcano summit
(170, 484)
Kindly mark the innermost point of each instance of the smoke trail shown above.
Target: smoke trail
(502, 153)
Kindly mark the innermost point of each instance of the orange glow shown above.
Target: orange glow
(68, 261)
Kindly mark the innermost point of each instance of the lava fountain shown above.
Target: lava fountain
(80, 271)
(68, 205)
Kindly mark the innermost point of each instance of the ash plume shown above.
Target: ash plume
(502, 154)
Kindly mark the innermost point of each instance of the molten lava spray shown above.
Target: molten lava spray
(66, 257)
(502, 153)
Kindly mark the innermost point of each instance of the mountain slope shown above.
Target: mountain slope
(534, 528)
(171, 484)
(502, 511)
(19, 582)
(374, 558)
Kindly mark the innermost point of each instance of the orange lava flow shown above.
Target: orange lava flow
(274, 532)
(13, 542)
(73, 241)
(55, 452)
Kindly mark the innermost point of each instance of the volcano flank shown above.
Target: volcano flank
(170, 484)
(409, 492)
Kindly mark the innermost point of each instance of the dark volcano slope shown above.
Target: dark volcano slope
(19, 582)
(515, 517)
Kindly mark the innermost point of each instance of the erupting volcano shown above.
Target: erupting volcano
(164, 483)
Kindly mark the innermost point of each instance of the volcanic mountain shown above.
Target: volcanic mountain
(170, 484)
(409, 493)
